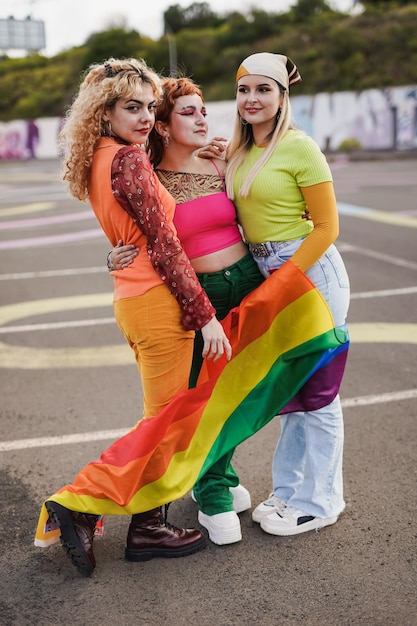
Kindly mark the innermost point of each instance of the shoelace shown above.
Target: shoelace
(273, 500)
(165, 519)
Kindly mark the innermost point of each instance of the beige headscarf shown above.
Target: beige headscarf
(275, 66)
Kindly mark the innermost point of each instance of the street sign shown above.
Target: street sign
(25, 34)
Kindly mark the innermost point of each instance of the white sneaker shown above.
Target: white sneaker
(241, 498)
(272, 505)
(291, 521)
(222, 528)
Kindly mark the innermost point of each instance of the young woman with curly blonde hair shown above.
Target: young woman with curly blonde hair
(158, 300)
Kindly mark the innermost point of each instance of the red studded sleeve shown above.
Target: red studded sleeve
(135, 189)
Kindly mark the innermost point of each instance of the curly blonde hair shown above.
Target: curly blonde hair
(103, 85)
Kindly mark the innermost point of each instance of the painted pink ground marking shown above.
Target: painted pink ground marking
(54, 239)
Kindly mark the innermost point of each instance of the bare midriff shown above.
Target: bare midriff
(219, 260)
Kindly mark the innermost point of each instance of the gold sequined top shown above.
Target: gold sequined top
(184, 186)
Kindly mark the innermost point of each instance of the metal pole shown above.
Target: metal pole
(172, 50)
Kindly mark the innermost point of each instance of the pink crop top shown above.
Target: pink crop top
(206, 223)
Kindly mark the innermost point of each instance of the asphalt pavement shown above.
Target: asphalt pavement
(69, 386)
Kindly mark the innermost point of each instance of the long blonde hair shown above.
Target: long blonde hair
(242, 140)
(104, 84)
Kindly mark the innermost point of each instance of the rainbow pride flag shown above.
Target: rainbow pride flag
(287, 356)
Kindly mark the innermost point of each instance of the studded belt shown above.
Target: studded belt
(267, 248)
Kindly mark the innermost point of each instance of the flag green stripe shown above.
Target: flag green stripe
(284, 379)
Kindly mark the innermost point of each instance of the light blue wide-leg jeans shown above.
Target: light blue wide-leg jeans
(307, 463)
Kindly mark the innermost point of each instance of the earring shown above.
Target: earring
(242, 121)
(166, 141)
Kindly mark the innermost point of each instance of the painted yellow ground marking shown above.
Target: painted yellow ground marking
(395, 219)
(389, 218)
(25, 209)
(21, 357)
(20, 310)
(380, 332)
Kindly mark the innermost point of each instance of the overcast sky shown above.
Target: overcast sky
(69, 23)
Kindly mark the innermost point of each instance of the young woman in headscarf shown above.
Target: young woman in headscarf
(274, 174)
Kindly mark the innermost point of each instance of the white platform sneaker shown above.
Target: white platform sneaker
(241, 498)
(272, 505)
(223, 528)
(291, 521)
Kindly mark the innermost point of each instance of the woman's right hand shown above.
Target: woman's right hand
(216, 149)
(122, 256)
(215, 340)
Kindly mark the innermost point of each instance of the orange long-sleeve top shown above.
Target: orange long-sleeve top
(132, 205)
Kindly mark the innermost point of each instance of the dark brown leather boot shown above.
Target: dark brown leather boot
(77, 534)
(150, 535)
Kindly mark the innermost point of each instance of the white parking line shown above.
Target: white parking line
(383, 293)
(379, 256)
(43, 442)
(6, 330)
(94, 233)
(76, 271)
(47, 221)
(55, 325)
(392, 396)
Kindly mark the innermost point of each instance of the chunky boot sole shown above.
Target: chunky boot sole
(69, 538)
(146, 554)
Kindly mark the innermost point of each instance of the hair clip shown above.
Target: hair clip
(111, 73)
(137, 70)
(109, 70)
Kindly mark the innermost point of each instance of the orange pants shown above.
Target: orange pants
(151, 324)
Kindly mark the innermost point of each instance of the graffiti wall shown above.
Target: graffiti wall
(377, 119)
(29, 139)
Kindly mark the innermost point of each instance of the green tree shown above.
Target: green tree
(263, 24)
(237, 31)
(198, 15)
(385, 4)
(334, 52)
(116, 42)
(304, 10)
